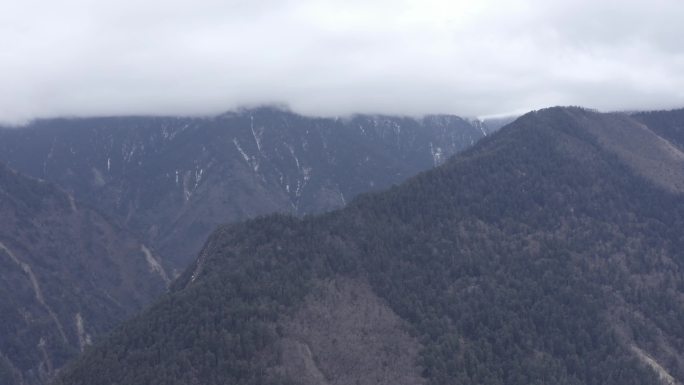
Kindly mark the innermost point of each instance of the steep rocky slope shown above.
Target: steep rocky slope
(548, 253)
(67, 275)
(173, 180)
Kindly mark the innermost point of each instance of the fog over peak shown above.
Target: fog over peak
(333, 57)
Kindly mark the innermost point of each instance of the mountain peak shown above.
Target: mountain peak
(635, 144)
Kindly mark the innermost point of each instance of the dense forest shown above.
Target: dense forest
(539, 256)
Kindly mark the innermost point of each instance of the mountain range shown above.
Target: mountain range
(173, 180)
(108, 210)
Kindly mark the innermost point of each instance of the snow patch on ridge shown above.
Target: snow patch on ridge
(84, 338)
(663, 375)
(36, 288)
(250, 161)
(198, 268)
(240, 150)
(154, 265)
(437, 154)
(72, 202)
(257, 138)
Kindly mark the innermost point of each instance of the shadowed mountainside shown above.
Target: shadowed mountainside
(68, 275)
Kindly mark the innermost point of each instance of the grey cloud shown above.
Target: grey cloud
(333, 57)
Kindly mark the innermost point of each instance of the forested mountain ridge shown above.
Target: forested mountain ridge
(668, 124)
(68, 275)
(173, 180)
(545, 254)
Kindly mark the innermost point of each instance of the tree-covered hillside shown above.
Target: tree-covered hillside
(546, 254)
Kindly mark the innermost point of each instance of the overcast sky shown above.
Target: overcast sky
(335, 57)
